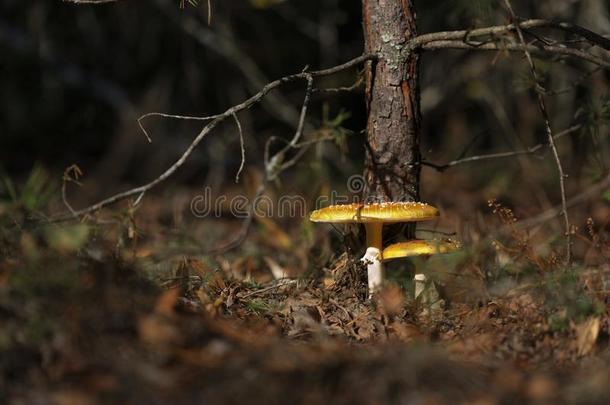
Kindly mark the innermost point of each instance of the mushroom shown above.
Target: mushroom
(373, 216)
(419, 248)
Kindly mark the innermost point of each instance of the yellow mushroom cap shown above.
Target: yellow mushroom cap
(376, 212)
(419, 247)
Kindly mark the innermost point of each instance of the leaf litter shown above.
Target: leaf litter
(80, 329)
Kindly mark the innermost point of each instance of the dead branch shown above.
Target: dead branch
(255, 99)
(241, 146)
(71, 175)
(514, 47)
(549, 132)
(465, 35)
(529, 151)
(278, 284)
(273, 167)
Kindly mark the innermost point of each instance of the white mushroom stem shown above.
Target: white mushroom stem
(420, 284)
(372, 258)
(374, 269)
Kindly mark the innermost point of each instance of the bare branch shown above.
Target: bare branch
(574, 83)
(514, 47)
(529, 151)
(242, 147)
(279, 283)
(308, 76)
(272, 169)
(357, 84)
(465, 35)
(549, 132)
(172, 116)
(71, 175)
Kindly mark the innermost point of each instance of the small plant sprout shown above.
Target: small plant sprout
(373, 216)
(419, 248)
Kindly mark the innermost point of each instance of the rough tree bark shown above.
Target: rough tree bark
(392, 165)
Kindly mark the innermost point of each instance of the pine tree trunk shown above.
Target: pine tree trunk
(392, 164)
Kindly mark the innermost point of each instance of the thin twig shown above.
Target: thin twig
(465, 35)
(281, 283)
(294, 143)
(272, 169)
(242, 147)
(210, 126)
(334, 90)
(529, 151)
(172, 116)
(71, 175)
(549, 132)
(574, 84)
(512, 47)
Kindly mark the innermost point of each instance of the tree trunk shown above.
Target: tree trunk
(392, 165)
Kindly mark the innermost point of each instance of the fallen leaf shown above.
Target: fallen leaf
(586, 336)
(167, 302)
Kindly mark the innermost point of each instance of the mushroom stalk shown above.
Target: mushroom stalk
(374, 269)
(373, 256)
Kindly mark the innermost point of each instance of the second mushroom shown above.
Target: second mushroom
(374, 216)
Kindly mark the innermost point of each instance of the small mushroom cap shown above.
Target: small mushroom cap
(419, 247)
(376, 212)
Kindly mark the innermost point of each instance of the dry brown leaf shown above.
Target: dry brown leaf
(167, 302)
(328, 282)
(586, 336)
(197, 266)
(217, 282)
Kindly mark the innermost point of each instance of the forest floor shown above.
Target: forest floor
(84, 320)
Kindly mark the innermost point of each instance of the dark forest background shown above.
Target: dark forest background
(75, 78)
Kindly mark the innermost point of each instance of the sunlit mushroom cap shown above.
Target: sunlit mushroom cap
(419, 247)
(376, 212)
